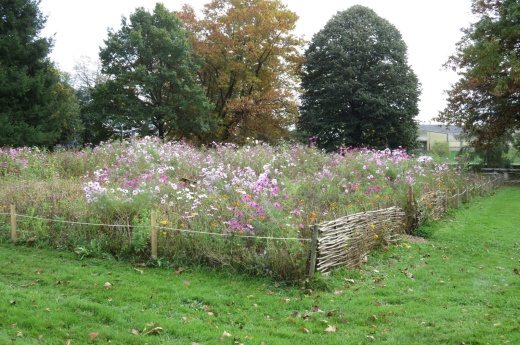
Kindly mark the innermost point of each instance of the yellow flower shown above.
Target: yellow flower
(164, 222)
(376, 236)
(164, 233)
(372, 226)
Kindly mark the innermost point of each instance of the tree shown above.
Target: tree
(485, 101)
(151, 70)
(37, 104)
(358, 89)
(251, 63)
(87, 74)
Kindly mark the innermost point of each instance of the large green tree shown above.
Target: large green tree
(37, 104)
(87, 74)
(251, 62)
(485, 101)
(152, 83)
(358, 89)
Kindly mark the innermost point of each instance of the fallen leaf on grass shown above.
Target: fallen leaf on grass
(224, 335)
(30, 284)
(93, 335)
(371, 337)
(186, 282)
(386, 330)
(12, 302)
(139, 271)
(179, 270)
(500, 268)
(155, 330)
(40, 337)
(108, 285)
(186, 319)
(351, 281)
(331, 328)
(316, 308)
(19, 334)
(516, 271)
(67, 342)
(303, 329)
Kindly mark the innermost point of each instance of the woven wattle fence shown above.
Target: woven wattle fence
(346, 240)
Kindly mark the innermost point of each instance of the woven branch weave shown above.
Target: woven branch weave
(346, 240)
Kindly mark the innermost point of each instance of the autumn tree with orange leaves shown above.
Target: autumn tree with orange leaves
(251, 64)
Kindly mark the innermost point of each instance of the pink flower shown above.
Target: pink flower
(276, 205)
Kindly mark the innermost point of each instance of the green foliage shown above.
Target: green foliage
(362, 96)
(495, 156)
(151, 81)
(441, 149)
(485, 100)
(37, 105)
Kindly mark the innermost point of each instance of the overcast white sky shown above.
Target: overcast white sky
(430, 29)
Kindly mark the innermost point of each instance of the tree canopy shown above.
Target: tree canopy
(485, 101)
(37, 104)
(251, 64)
(358, 89)
(152, 83)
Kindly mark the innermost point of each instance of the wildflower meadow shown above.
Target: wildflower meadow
(248, 208)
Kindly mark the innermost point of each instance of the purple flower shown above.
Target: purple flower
(276, 205)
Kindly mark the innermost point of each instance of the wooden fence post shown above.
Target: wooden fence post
(314, 250)
(14, 237)
(153, 234)
(446, 200)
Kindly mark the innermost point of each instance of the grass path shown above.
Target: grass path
(459, 287)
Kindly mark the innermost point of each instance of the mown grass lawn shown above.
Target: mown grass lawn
(460, 286)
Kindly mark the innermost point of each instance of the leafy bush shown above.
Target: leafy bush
(441, 149)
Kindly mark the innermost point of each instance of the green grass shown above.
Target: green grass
(457, 287)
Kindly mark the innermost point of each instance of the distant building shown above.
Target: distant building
(453, 135)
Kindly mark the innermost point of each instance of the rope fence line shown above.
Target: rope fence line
(158, 228)
(442, 197)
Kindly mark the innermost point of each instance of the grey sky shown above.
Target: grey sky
(430, 29)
